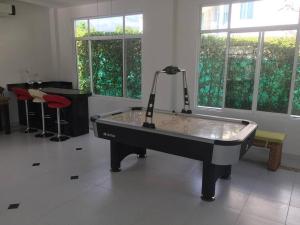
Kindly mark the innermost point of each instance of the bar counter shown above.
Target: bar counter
(75, 117)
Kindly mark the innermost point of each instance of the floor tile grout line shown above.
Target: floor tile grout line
(248, 197)
(276, 202)
(65, 202)
(244, 205)
(293, 187)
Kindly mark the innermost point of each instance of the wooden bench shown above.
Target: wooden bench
(273, 141)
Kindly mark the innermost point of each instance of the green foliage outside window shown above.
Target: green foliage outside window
(81, 28)
(118, 31)
(134, 68)
(107, 64)
(241, 71)
(211, 68)
(296, 100)
(276, 73)
(83, 65)
(107, 61)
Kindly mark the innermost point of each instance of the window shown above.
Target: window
(109, 55)
(246, 10)
(81, 28)
(296, 99)
(264, 13)
(249, 63)
(82, 49)
(241, 70)
(212, 17)
(107, 66)
(211, 66)
(276, 71)
(106, 26)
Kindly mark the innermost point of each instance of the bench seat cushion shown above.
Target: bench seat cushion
(269, 136)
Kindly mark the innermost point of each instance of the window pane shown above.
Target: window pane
(81, 28)
(241, 70)
(133, 68)
(211, 68)
(134, 24)
(265, 13)
(107, 62)
(106, 26)
(83, 65)
(276, 71)
(214, 17)
(296, 101)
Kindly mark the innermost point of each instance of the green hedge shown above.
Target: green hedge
(275, 75)
(107, 63)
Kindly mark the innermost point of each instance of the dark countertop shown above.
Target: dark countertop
(47, 84)
(53, 87)
(64, 91)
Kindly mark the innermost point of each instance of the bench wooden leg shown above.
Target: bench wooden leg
(274, 156)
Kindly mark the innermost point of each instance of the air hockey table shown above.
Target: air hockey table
(217, 141)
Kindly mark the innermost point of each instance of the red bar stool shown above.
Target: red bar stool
(57, 102)
(37, 96)
(23, 95)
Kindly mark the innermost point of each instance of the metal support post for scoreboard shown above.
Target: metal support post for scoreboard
(170, 70)
(186, 98)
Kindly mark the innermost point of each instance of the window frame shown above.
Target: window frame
(122, 37)
(261, 30)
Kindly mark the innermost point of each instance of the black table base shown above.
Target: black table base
(4, 118)
(211, 173)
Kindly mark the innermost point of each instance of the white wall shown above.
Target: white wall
(187, 39)
(24, 45)
(157, 48)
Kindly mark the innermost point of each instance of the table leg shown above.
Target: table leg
(142, 153)
(210, 175)
(115, 159)
(208, 182)
(275, 156)
(227, 173)
(118, 151)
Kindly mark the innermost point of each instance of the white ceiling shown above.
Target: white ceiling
(60, 3)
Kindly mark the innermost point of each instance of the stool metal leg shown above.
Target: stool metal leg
(58, 123)
(59, 137)
(44, 134)
(28, 129)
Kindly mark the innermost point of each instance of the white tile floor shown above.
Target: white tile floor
(161, 190)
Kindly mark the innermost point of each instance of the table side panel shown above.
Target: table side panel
(163, 143)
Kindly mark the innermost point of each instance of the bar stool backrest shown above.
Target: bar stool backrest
(57, 101)
(37, 95)
(22, 94)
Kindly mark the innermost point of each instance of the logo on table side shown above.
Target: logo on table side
(109, 135)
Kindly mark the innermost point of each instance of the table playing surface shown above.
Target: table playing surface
(209, 128)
